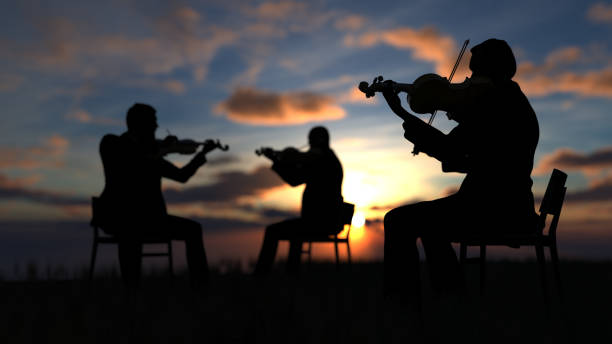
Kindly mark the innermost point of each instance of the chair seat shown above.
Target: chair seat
(324, 238)
(147, 240)
(505, 240)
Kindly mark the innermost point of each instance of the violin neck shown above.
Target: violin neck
(400, 87)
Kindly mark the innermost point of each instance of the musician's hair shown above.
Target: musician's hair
(493, 58)
(137, 114)
(319, 136)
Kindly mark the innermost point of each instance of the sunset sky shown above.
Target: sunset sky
(262, 73)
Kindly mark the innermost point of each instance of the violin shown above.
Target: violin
(278, 155)
(424, 95)
(427, 94)
(187, 146)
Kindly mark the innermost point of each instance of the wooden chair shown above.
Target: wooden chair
(346, 217)
(551, 205)
(99, 238)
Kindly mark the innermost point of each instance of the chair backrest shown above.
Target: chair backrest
(555, 192)
(553, 199)
(346, 213)
(346, 217)
(95, 212)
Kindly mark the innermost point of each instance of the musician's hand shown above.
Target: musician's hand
(169, 140)
(405, 126)
(200, 157)
(390, 95)
(268, 153)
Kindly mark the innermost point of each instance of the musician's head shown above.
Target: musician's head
(318, 137)
(493, 58)
(141, 120)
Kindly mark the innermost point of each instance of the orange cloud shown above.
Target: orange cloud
(20, 188)
(49, 154)
(257, 107)
(350, 23)
(549, 78)
(594, 83)
(569, 159)
(10, 82)
(279, 9)
(600, 12)
(16, 183)
(82, 116)
(426, 44)
(350, 94)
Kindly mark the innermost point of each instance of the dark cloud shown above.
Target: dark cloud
(271, 214)
(50, 153)
(257, 107)
(15, 189)
(225, 159)
(596, 192)
(569, 159)
(228, 187)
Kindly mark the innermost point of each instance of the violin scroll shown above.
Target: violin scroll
(212, 144)
(370, 90)
(285, 154)
(263, 151)
(381, 85)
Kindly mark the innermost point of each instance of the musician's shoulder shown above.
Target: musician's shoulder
(110, 141)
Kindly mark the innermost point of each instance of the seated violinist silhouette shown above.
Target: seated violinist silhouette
(493, 144)
(132, 205)
(321, 170)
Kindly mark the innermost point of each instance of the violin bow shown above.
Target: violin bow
(450, 78)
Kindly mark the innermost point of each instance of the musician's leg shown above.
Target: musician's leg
(444, 269)
(190, 232)
(400, 251)
(295, 255)
(274, 233)
(130, 261)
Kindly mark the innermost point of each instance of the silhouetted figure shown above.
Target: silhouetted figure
(321, 170)
(133, 207)
(494, 144)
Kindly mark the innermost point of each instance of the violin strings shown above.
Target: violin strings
(450, 78)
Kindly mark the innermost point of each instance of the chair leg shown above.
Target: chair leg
(337, 255)
(170, 265)
(348, 252)
(309, 252)
(483, 268)
(417, 289)
(554, 255)
(542, 264)
(92, 265)
(462, 252)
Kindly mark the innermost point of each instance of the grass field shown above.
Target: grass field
(322, 305)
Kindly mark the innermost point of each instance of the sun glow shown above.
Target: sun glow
(358, 219)
(358, 190)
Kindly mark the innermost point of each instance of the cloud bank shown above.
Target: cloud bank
(229, 186)
(426, 44)
(259, 107)
(569, 159)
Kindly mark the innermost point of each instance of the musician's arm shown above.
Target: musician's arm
(184, 173)
(294, 169)
(431, 141)
(456, 158)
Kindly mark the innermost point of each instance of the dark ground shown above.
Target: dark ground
(322, 306)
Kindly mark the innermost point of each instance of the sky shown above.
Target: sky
(262, 73)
